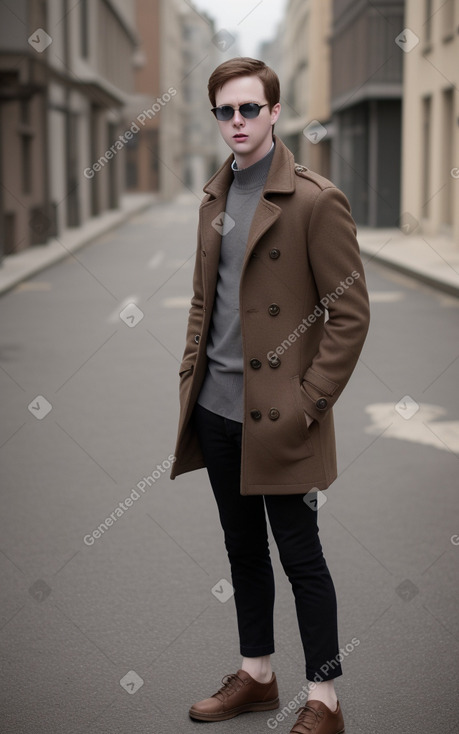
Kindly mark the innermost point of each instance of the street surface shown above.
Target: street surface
(119, 630)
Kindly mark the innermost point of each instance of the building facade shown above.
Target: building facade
(200, 56)
(66, 71)
(304, 71)
(366, 107)
(143, 171)
(174, 145)
(430, 164)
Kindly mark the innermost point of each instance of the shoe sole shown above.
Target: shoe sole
(246, 708)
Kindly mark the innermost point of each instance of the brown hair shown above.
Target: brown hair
(245, 66)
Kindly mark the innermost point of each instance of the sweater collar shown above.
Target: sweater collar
(254, 176)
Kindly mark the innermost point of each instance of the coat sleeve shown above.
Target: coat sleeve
(340, 280)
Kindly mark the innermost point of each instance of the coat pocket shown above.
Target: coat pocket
(186, 367)
(293, 443)
(185, 372)
(295, 386)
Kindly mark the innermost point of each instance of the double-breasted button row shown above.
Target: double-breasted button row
(273, 254)
(272, 361)
(273, 414)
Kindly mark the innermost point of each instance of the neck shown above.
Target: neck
(248, 159)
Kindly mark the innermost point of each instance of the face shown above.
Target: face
(249, 139)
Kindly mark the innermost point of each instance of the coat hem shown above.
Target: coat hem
(282, 489)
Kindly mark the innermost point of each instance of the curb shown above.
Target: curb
(423, 277)
(41, 257)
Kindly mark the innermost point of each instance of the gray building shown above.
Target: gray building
(65, 71)
(366, 106)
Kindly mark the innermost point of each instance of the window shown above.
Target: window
(25, 111)
(448, 20)
(428, 24)
(84, 29)
(447, 156)
(426, 138)
(26, 164)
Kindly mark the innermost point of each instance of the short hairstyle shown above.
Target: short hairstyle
(245, 66)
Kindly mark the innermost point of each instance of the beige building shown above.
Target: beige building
(304, 71)
(430, 153)
(65, 79)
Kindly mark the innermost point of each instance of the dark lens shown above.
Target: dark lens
(249, 110)
(224, 113)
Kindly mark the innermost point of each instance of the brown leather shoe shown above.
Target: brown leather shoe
(238, 694)
(316, 717)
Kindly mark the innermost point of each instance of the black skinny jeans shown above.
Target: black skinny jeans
(294, 527)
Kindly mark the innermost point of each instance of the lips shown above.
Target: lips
(240, 136)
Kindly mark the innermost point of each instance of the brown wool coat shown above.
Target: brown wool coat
(301, 249)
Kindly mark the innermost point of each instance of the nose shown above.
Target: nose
(238, 119)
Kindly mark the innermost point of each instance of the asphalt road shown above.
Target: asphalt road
(120, 630)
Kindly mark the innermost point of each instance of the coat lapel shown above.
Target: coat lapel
(280, 181)
(211, 211)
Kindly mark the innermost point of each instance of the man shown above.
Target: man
(278, 318)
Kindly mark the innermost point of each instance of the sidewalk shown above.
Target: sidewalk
(432, 260)
(18, 267)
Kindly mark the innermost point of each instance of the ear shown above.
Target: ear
(275, 112)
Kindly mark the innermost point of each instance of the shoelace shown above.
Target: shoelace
(230, 685)
(309, 718)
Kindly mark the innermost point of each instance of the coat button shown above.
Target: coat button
(255, 414)
(274, 361)
(274, 253)
(300, 169)
(321, 403)
(274, 414)
(255, 364)
(273, 309)
(196, 338)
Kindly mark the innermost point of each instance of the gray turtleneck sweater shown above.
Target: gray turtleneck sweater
(222, 389)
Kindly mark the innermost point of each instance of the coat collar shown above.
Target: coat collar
(281, 176)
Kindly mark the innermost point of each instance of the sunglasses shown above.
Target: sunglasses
(249, 110)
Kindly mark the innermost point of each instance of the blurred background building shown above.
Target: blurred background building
(430, 142)
(366, 102)
(110, 96)
(342, 79)
(142, 151)
(304, 70)
(351, 71)
(62, 93)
